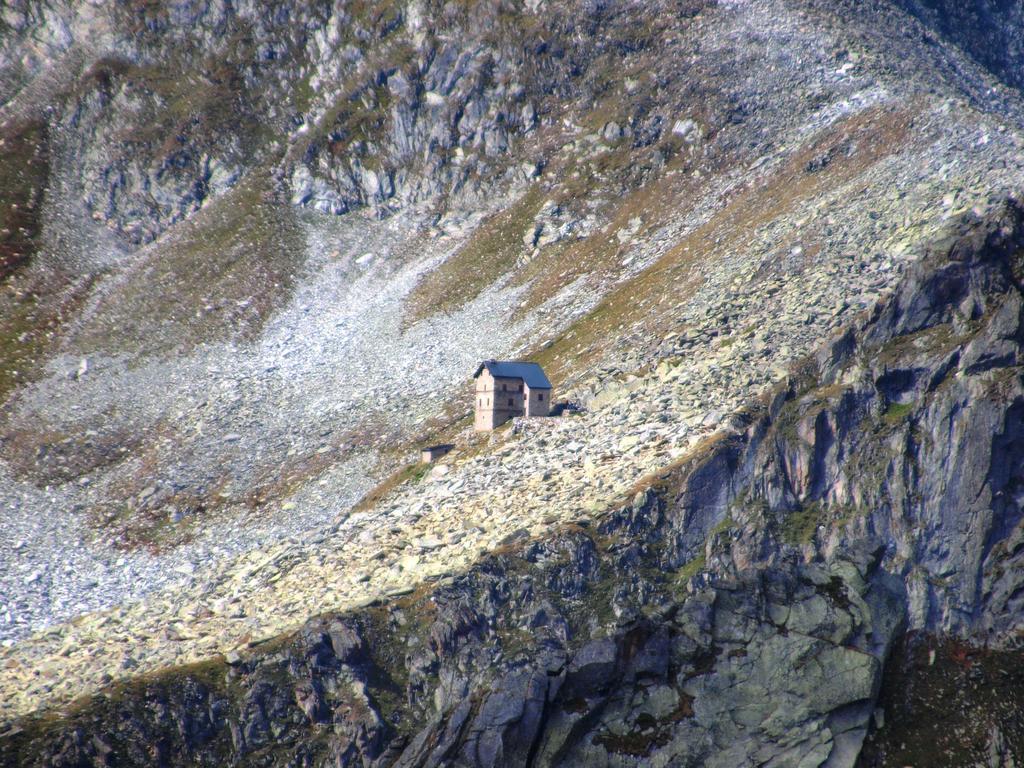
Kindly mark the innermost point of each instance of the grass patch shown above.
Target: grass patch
(723, 525)
(648, 299)
(943, 700)
(896, 413)
(220, 275)
(935, 339)
(24, 171)
(410, 473)
(30, 306)
(692, 568)
(799, 525)
(28, 325)
(489, 254)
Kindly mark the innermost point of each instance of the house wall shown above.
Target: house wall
(496, 400)
(538, 402)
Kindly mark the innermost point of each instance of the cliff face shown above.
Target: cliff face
(738, 611)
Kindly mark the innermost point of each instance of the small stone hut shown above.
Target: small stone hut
(509, 388)
(432, 453)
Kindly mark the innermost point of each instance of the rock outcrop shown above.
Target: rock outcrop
(738, 610)
(335, 107)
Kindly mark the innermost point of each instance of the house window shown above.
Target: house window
(510, 402)
(540, 397)
(503, 388)
(520, 387)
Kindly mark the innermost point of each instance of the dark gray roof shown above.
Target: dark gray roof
(531, 373)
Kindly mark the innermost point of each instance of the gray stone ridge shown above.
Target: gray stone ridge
(506, 389)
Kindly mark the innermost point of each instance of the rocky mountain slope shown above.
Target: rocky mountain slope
(769, 252)
(738, 611)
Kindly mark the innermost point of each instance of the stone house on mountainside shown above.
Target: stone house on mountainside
(509, 388)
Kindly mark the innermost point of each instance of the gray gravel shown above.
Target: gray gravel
(333, 360)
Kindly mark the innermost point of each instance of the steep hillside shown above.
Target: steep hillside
(738, 611)
(768, 251)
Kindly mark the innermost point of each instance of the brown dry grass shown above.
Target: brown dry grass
(24, 171)
(489, 254)
(648, 298)
(383, 489)
(221, 275)
(132, 526)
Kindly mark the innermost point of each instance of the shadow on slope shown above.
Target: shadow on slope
(990, 31)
